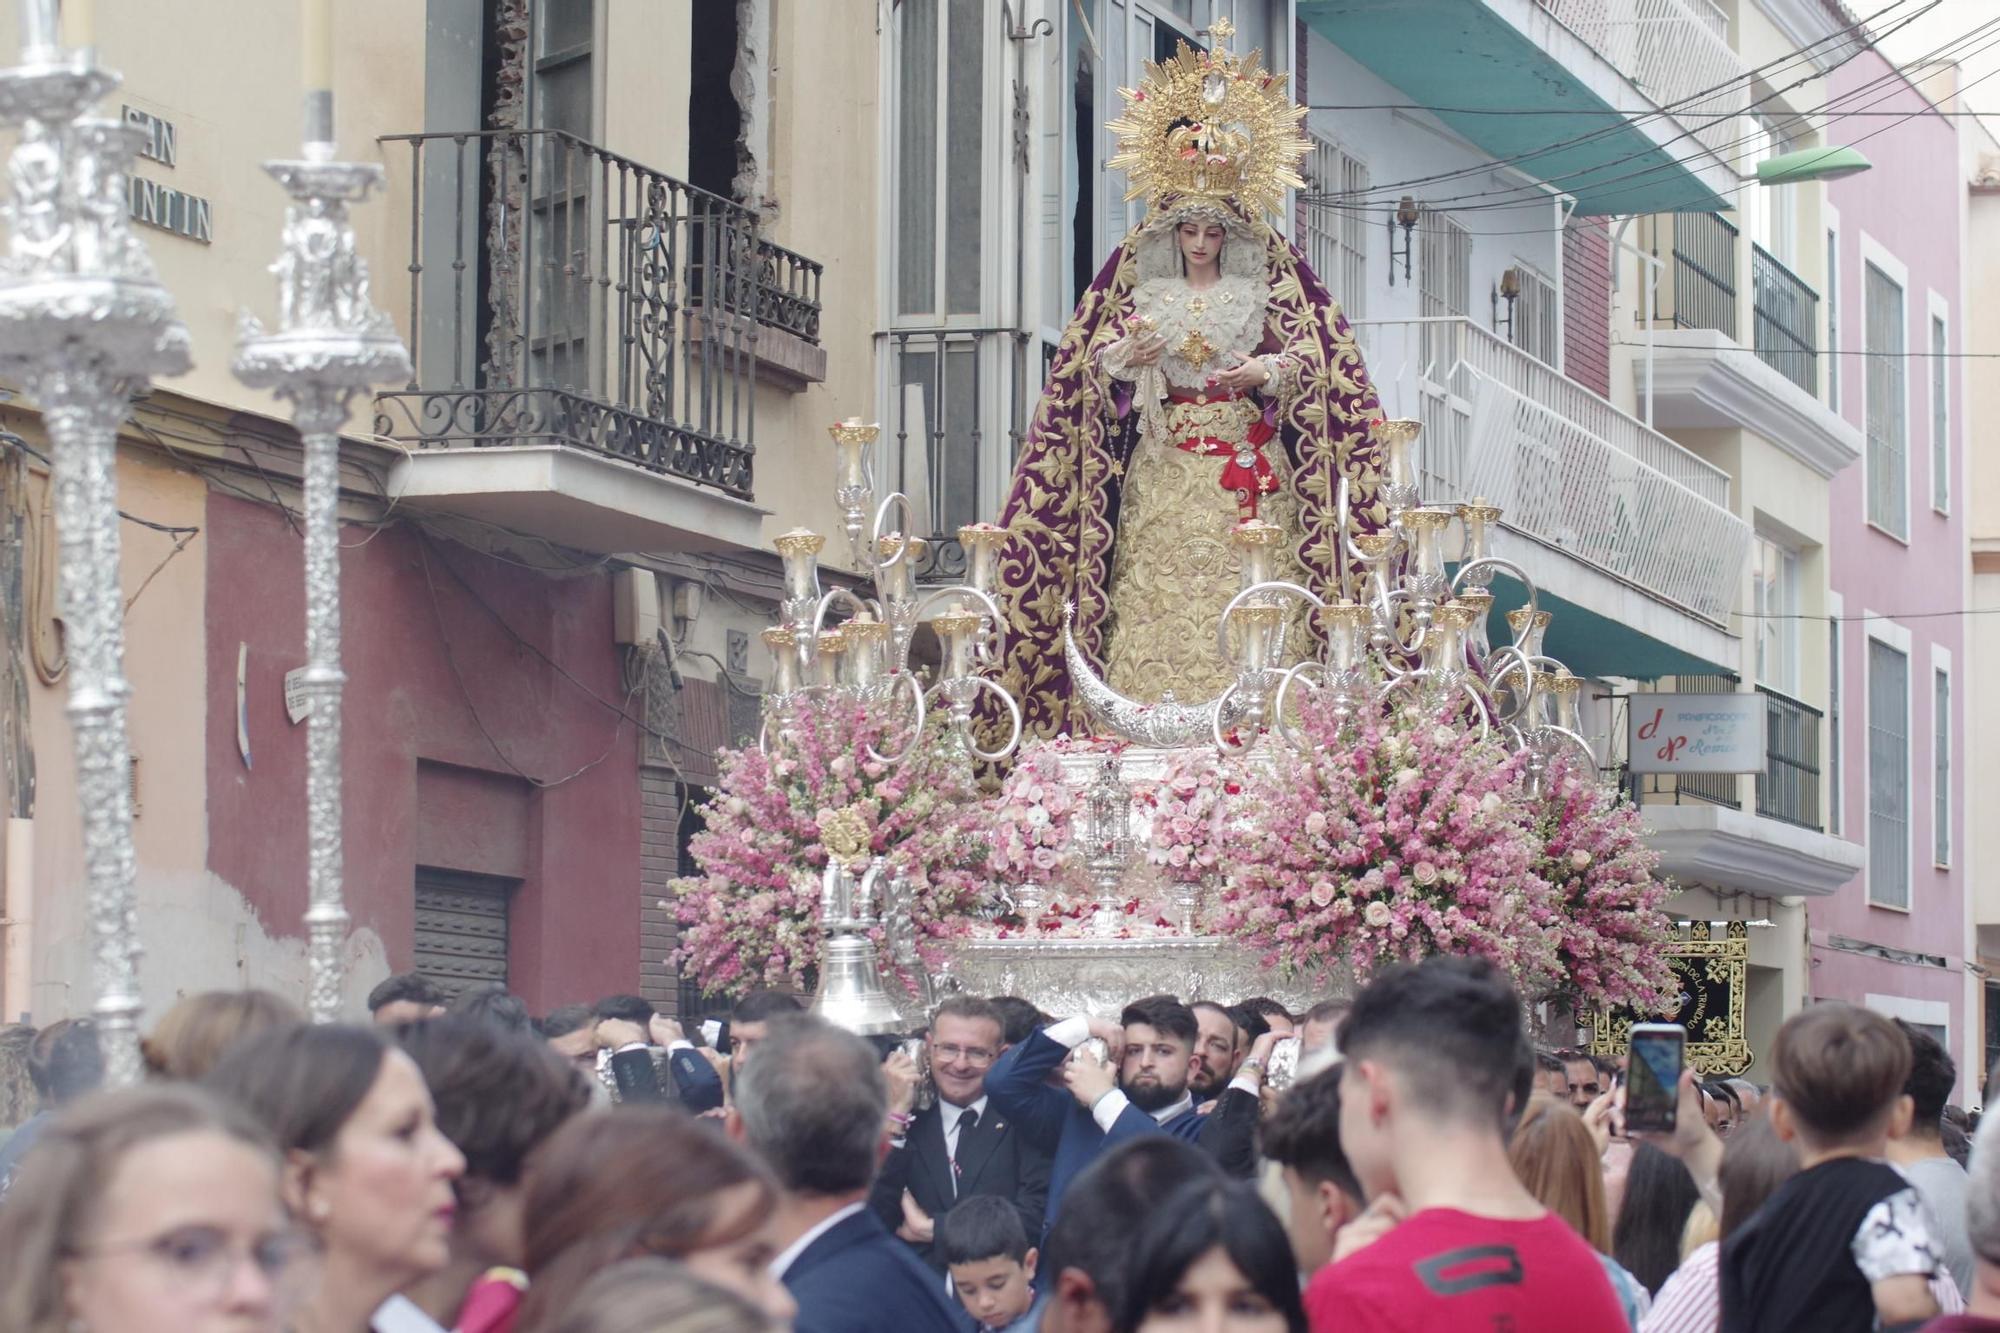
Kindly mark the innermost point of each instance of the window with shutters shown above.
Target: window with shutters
(940, 58)
(1836, 769)
(1888, 776)
(1941, 759)
(1445, 266)
(1888, 430)
(1940, 417)
(461, 934)
(1832, 320)
(1337, 230)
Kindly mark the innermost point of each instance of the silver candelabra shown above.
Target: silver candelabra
(1407, 625)
(84, 323)
(330, 344)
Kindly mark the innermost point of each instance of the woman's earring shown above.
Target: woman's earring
(319, 1210)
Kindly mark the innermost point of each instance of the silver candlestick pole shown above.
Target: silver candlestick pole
(84, 322)
(330, 344)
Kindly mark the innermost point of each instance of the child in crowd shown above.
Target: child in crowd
(992, 1266)
(1844, 1244)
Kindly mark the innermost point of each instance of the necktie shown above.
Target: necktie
(967, 1119)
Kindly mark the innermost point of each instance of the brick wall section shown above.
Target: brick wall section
(659, 861)
(1587, 303)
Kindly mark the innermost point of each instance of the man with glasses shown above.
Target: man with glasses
(959, 1146)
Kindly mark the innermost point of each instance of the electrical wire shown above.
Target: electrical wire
(1326, 202)
(1534, 192)
(458, 675)
(1797, 55)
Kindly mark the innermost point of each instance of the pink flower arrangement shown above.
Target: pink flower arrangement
(1391, 839)
(1190, 804)
(1613, 935)
(749, 916)
(1029, 823)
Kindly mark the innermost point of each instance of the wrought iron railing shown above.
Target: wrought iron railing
(1786, 318)
(1569, 468)
(1676, 52)
(1788, 788)
(1704, 254)
(953, 394)
(563, 294)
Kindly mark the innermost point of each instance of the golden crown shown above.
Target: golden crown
(1211, 126)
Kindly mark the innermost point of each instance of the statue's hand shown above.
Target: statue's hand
(1249, 373)
(1143, 348)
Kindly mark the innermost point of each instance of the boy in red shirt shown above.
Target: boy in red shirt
(1451, 1240)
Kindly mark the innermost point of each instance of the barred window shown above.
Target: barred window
(1337, 229)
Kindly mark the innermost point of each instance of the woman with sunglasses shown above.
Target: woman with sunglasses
(156, 1209)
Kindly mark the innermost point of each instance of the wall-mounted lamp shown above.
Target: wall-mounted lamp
(1406, 217)
(1509, 291)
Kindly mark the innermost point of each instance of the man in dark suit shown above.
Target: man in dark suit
(1143, 1089)
(650, 1059)
(815, 1105)
(960, 1146)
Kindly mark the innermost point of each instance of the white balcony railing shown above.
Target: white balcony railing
(1569, 469)
(1673, 51)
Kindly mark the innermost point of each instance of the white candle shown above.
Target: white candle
(316, 52)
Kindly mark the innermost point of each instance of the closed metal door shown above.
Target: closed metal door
(461, 934)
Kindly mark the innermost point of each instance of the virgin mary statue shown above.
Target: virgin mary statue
(1205, 379)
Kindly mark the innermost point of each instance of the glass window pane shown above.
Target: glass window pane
(1941, 786)
(1888, 775)
(916, 196)
(965, 162)
(565, 24)
(1887, 429)
(1940, 418)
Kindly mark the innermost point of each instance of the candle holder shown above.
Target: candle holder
(330, 344)
(84, 323)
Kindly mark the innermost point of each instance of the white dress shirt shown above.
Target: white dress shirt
(1073, 1032)
(953, 1119)
(798, 1247)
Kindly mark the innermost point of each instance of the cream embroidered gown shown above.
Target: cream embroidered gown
(1201, 465)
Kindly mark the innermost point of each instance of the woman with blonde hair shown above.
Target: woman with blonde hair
(658, 1296)
(154, 1208)
(198, 1031)
(1555, 1156)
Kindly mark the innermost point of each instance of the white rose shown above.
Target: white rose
(1579, 859)
(1377, 914)
(1490, 803)
(1323, 892)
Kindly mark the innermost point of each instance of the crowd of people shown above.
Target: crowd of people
(1409, 1160)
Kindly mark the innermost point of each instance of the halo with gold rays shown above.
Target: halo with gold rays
(1211, 126)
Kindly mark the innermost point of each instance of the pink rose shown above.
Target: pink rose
(1377, 914)
(1579, 859)
(1324, 893)
(1425, 873)
(1316, 823)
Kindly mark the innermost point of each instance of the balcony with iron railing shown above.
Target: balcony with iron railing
(955, 396)
(1571, 471)
(563, 295)
(1788, 790)
(1707, 362)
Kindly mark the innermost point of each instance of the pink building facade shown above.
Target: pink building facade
(1896, 937)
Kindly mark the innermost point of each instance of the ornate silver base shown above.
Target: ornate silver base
(1081, 976)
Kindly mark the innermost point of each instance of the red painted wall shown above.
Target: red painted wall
(574, 846)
